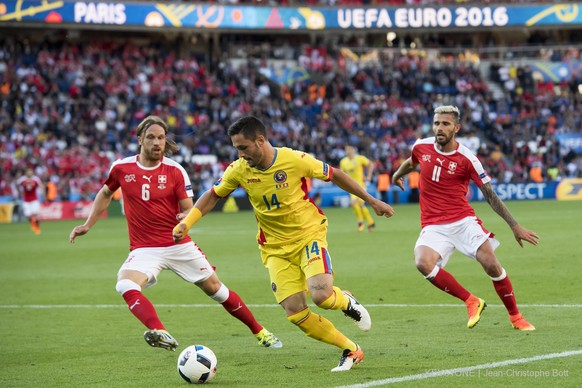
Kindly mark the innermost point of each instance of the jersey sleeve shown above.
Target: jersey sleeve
(314, 168)
(413, 154)
(112, 181)
(364, 161)
(477, 172)
(228, 182)
(183, 186)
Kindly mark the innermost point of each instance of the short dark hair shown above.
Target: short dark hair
(248, 126)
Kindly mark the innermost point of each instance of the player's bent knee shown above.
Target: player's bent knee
(125, 285)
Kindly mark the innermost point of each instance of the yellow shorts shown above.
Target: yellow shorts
(354, 199)
(291, 265)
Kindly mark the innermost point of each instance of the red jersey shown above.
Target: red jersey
(444, 181)
(29, 187)
(150, 199)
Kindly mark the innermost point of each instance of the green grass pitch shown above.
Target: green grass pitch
(64, 325)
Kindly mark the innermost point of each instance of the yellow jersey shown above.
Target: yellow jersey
(285, 213)
(355, 167)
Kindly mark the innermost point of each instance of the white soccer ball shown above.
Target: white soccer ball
(197, 364)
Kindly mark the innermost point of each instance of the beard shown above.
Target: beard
(153, 156)
(445, 141)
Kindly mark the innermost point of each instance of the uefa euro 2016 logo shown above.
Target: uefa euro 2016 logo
(280, 176)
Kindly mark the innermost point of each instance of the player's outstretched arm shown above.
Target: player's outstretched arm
(204, 204)
(520, 233)
(100, 204)
(405, 168)
(346, 183)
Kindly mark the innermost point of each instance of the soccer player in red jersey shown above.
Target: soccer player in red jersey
(449, 222)
(29, 185)
(155, 190)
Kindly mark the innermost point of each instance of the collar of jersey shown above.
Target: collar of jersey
(445, 153)
(144, 167)
(272, 162)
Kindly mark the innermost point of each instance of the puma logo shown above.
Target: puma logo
(508, 295)
(236, 309)
(149, 178)
(440, 160)
(133, 305)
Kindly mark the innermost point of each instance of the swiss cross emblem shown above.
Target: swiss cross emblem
(162, 180)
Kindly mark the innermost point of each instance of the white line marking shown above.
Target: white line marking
(390, 305)
(455, 371)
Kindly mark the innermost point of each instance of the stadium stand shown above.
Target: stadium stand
(69, 105)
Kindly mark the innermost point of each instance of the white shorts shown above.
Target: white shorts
(31, 208)
(465, 235)
(185, 260)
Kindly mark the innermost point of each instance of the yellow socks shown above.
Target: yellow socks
(321, 329)
(337, 301)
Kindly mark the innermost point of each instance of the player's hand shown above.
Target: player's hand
(78, 231)
(178, 233)
(382, 209)
(181, 216)
(399, 182)
(521, 233)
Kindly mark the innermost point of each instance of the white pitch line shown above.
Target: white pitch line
(389, 305)
(455, 371)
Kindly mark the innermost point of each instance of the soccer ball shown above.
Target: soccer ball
(197, 364)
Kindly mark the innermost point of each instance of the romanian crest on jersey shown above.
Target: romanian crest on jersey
(280, 176)
(162, 180)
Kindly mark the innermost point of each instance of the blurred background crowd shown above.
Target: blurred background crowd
(70, 106)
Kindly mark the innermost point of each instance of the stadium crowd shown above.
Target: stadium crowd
(68, 109)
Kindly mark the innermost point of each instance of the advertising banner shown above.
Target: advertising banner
(227, 17)
(65, 210)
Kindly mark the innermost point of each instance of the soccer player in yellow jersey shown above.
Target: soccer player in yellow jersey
(292, 230)
(354, 165)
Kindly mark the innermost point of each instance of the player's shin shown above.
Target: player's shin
(138, 304)
(504, 289)
(235, 306)
(321, 329)
(446, 282)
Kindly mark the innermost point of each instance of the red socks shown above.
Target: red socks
(446, 282)
(505, 291)
(143, 309)
(238, 309)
